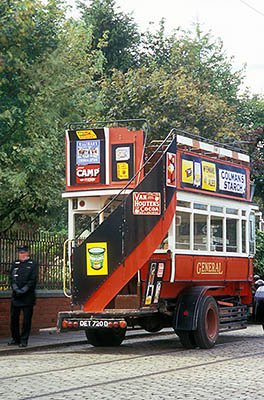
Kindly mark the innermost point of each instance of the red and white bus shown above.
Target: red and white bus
(171, 237)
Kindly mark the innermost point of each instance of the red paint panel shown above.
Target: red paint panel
(184, 268)
(250, 274)
(144, 272)
(167, 272)
(237, 269)
(172, 289)
(209, 268)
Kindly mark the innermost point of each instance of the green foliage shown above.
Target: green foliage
(28, 32)
(199, 55)
(119, 30)
(251, 111)
(259, 256)
(167, 100)
(55, 70)
(57, 87)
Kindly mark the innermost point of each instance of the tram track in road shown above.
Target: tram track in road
(114, 361)
(131, 337)
(145, 375)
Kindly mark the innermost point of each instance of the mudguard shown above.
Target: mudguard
(187, 307)
(259, 305)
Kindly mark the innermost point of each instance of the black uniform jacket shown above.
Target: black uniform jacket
(23, 279)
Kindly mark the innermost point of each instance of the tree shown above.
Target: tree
(28, 32)
(119, 30)
(167, 100)
(54, 71)
(251, 117)
(56, 89)
(199, 54)
(259, 256)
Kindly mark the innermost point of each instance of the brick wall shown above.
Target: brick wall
(48, 304)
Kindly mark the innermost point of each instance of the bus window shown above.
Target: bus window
(200, 232)
(252, 233)
(233, 211)
(185, 204)
(231, 235)
(216, 234)
(243, 232)
(200, 206)
(217, 209)
(182, 230)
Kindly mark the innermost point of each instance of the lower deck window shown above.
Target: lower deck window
(231, 235)
(214, 229)
(200, 232)
(216, 234)
(182, 230)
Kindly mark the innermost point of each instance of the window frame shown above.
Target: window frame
(244, 211)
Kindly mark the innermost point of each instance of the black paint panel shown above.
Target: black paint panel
(122, 231)
(73, 139)
(109, 231)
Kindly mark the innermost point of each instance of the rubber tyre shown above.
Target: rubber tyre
(208, 323)
(105, 337)
(187, 339)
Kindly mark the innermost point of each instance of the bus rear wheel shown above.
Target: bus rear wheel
(106, 337)
(207, 324)
(187, 339)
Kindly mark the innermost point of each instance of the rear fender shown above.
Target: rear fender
(187, 307)
(259, 306)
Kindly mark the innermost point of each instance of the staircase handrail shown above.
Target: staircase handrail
(171, 133)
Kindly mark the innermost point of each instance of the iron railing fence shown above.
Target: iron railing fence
(45, 248)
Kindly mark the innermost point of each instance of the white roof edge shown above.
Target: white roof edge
(94, 193)
(222, 151)
(243, 157)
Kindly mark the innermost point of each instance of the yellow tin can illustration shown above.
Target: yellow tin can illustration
(96, 256)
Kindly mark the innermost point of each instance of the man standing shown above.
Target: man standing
(23, 280)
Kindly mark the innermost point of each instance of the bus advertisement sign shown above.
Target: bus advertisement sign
(198, 173)
(146, 203)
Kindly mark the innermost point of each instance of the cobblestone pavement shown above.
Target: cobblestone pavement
(157, 368)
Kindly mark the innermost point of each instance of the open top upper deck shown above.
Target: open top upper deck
(213, 169)
(110, 158)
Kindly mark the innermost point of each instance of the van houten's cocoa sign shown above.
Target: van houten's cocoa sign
(146, 203)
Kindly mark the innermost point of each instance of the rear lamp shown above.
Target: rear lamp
(75, 324)
(64, 324)
(110, 324)
(82, 203)
(116, 324)
(70, 324)
(123, 324)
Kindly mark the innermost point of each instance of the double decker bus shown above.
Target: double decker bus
(170, 239)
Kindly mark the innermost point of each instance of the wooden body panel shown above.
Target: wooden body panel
(233, 275)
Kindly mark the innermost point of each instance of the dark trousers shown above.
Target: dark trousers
(26, 327)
